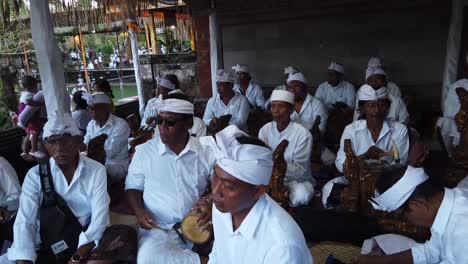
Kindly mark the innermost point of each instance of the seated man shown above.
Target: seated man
(251, 90)
(117, 130)
(392, 88)
(376, 77)
(306, 107)
(227, 107)
(10, 191)
(198, 129)
(336, 92)
(81, 114)
(249, 226)
(443, 210)
(287, 70)
(448, 128)
(374, 136)
(166, 178)
(299, 178)
(151, 111)
(70, 218)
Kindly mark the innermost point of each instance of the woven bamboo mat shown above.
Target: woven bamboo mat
(346, 253)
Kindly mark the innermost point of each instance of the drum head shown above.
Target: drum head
(191, 232)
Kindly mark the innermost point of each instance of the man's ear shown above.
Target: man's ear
(188, 124)
(418, 204)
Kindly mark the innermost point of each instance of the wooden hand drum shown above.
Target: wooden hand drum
(191, 232)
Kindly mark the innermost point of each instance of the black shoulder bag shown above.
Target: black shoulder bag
(59, 227)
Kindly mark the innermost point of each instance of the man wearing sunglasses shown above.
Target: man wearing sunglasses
(166, 178)
(117, 130)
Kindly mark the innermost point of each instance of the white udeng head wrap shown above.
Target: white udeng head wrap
(249, 163)
(374, 62)
(373, 71)
(99, 98)
(297, 76)
(397, 195)
(328, 187)
(224, 76)
(177, 106)
(166, 84)
(241, 68)
(290, 70)
(336, 67)
(60, 124)
(282, 95)
(367, 93)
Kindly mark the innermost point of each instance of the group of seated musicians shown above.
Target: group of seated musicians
(63, 211)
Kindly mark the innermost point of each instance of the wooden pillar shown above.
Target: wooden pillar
(85, 64)
(26, 59)
(148, 44)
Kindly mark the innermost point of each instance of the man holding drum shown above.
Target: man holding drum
(249, 227)
(166, 178)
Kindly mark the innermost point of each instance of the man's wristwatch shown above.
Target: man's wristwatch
(76, 258)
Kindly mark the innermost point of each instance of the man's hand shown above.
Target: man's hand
(204, 210)
(150, 120)
(144, 219)
(84, 251)
(5, 215)
(372, 153)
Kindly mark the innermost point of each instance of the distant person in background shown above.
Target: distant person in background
(392, 88)
(287, 70)
(33, 126)
(164, 87)
(81, 114)
(249, 89)
(103, 86)
(117, 130)
(336, 92)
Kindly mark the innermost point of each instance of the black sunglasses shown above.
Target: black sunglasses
(169, 122)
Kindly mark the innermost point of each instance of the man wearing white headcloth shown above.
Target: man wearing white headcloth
(375, 77)
(228, 107)
(166, 178)
(443, 210)
(375, 136)
(287, 70)
(446, 124)
(10, 190)
(336, 92)
(299, 178)
(249, 226)
(393, 89)
(246, 87)
(117, 131)
(306, 107)
(80, 184)
(151, 111)
(198, 129)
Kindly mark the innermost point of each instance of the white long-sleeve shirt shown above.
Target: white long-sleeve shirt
(451, 108)
(116, 145)
(397, 112)
(254, 94)
(297, 154)
(171, 184)
(10, 188)
(86, 196)
(344, 92)
(238, 108)
(311, 108)
(449, 235)
(267, 235)
(361, 140)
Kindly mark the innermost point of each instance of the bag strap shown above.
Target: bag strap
(47, 184)
(51, 198)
